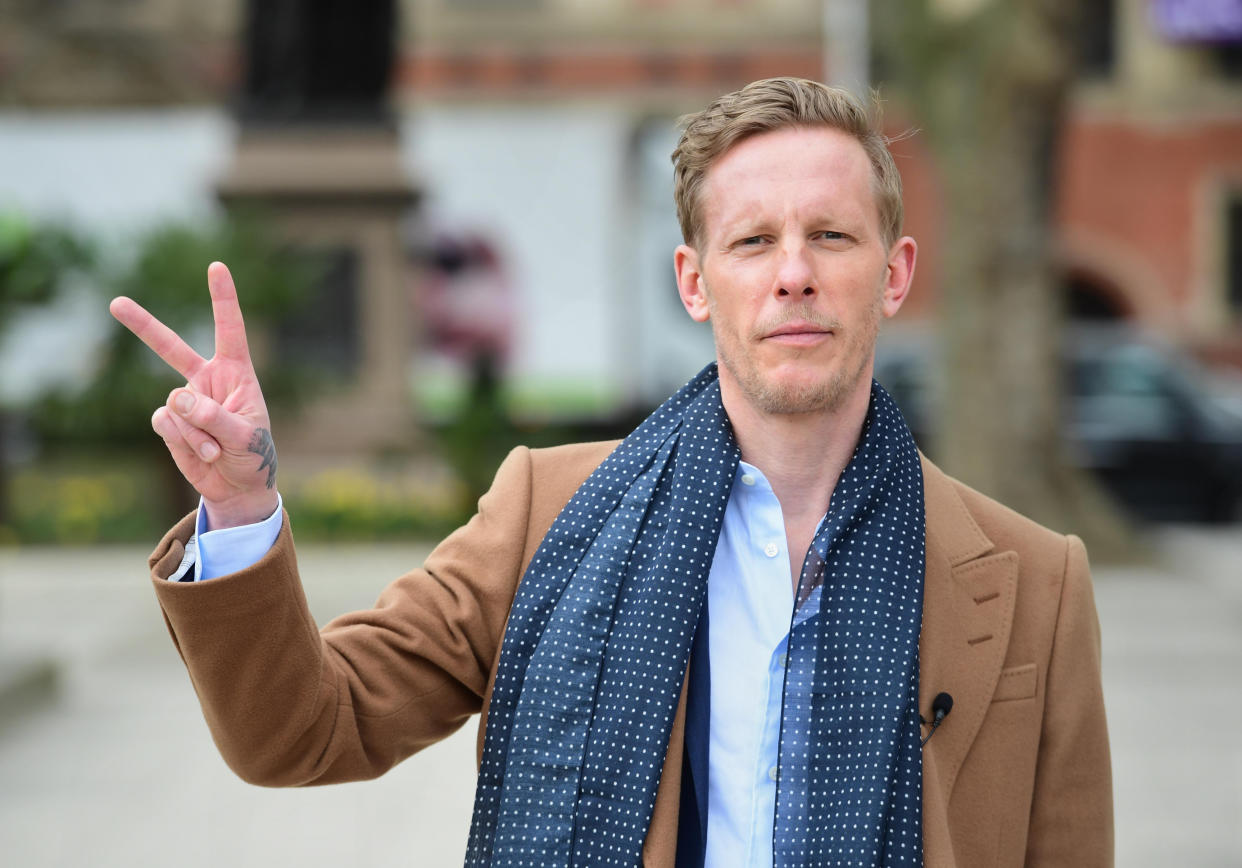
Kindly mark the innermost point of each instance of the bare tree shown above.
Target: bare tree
(987, 81)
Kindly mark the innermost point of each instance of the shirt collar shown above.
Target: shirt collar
(750, 479)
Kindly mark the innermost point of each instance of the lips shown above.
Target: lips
(798, 333)
(794, 328)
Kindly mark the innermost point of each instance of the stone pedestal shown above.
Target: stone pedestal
(342, 190)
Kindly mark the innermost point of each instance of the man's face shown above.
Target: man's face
(792, 269)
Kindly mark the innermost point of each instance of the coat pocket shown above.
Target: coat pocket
(1017, 682)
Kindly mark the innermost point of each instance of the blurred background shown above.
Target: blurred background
(451, 226)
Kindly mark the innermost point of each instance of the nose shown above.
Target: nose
(795, 278)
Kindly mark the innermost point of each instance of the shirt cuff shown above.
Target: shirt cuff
(217, 553)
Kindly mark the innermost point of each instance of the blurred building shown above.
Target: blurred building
(1150, 208)
(541, 129)
(648, 52)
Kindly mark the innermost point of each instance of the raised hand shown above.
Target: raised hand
(217, 427)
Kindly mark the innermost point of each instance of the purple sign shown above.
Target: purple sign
(1198, 20)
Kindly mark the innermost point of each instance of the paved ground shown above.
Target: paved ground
(120, 771)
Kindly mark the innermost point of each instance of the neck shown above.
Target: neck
(801, 454)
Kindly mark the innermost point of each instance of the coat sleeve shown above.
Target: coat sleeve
(1072, 810)
(288, 704)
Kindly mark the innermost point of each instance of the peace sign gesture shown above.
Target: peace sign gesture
(217, 427)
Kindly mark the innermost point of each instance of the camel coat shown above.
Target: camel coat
(1018, 773)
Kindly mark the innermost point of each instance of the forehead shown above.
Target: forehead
(803, 170)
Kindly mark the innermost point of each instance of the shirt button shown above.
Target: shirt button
(772, 773)
(782, 661)
(771, 550)
(748, 479)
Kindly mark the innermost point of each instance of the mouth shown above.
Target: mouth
(798, 334)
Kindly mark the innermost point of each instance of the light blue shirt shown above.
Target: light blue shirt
(750, 600)
(216, 553)
(750, 605)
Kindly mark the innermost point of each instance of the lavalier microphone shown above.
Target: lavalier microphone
(941, 706)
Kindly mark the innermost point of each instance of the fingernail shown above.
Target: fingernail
(209, 451)
(184, 403)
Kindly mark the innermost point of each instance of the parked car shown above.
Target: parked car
(1151, 424)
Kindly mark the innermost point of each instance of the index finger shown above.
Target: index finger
(162, 340)
(230, 329)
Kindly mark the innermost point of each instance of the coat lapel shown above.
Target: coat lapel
(968, 601)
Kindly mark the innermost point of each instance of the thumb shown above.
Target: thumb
(230, 430)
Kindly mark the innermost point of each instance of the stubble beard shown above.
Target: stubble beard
(777, 397)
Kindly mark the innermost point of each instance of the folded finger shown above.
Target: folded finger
(201, 412)
(205, 447)
(166, 427)
(162, 340)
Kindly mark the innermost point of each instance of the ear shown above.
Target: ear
(899, 274)
(690, 285)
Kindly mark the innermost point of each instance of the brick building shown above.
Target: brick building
(545, 125)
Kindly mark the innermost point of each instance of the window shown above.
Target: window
(1229, 59)
(1233, 254)
(321, 334)
(1097, 41)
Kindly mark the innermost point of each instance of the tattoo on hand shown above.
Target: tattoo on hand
(261, 444)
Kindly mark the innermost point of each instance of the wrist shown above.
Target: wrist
(240, 511)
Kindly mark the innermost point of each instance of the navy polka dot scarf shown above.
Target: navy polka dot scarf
(595, 654)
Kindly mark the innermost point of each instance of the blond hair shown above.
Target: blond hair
(774, 104)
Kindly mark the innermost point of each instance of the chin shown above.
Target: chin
(792, 399)
(806, 389)
(795, 387)
(793, 395)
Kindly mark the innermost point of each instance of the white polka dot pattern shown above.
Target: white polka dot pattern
(599, 637)
(597, 645)
(849, 783)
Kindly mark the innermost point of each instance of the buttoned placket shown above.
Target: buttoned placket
(751, 600)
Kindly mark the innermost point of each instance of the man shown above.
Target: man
(728, 640)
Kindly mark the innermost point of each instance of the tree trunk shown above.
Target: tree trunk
(988, 83)
(4, 467)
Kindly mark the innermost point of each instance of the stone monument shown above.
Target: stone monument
(318, 154)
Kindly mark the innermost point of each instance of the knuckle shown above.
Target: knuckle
(205, 412)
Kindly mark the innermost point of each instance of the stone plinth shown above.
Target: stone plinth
(343, 190)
